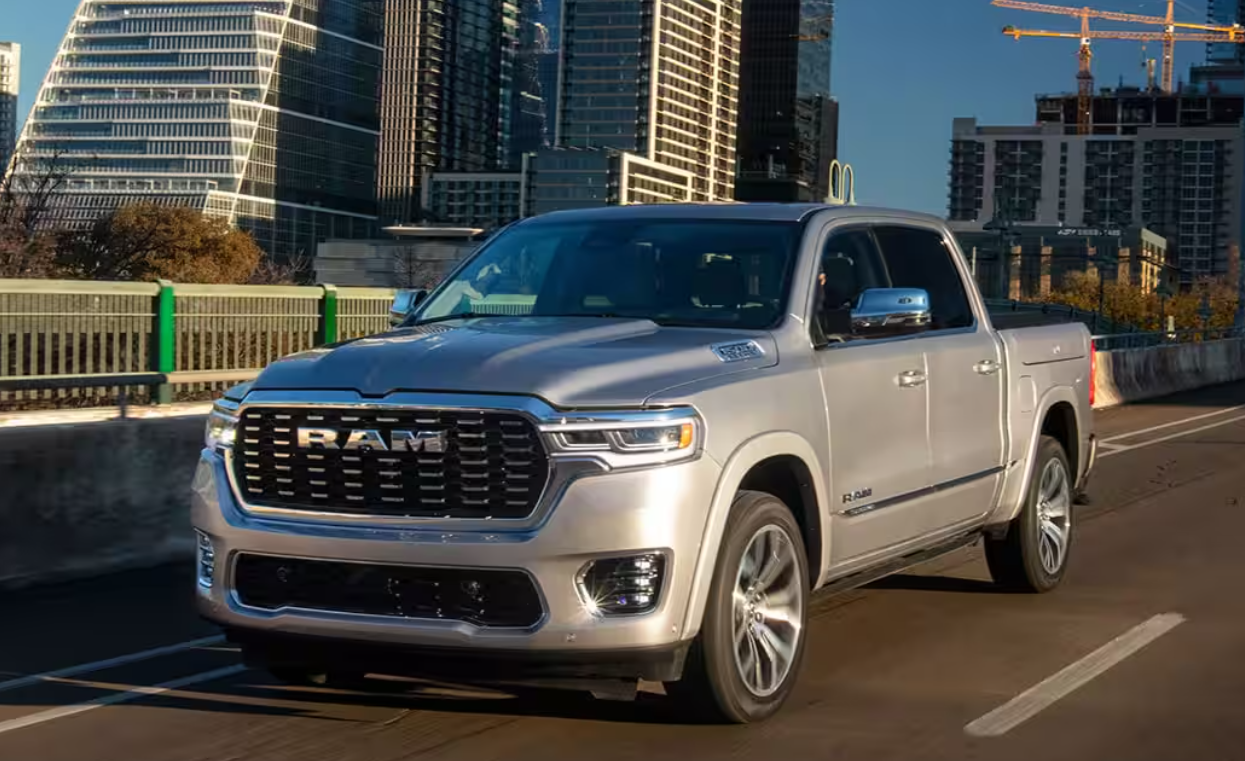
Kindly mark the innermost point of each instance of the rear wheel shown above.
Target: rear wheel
(1033, 556)
(743, 665)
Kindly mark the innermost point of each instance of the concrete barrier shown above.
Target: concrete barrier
(1130, 375)
(80, 495)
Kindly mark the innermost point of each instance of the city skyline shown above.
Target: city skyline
(897, 108)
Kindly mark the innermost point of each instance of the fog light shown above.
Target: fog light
(622, 586)
(205, 559)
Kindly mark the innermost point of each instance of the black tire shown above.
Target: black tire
(712, 688)
(1015, 560)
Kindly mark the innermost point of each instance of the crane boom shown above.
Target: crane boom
(1012, 31)
(1132, 18)
(1169, 36)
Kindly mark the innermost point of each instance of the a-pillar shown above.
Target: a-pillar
(1091, 262)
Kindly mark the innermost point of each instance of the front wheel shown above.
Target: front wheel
(1033, 556)
(743, 665)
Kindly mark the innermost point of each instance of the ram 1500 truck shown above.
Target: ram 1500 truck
(629, 444)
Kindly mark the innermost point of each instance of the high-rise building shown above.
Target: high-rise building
(658, 79)
(1170, 163)
(549, 31)
(528, 106)
(259, 111)
(1225, 13)
(10, 86)
(447, 100)
(788, 121)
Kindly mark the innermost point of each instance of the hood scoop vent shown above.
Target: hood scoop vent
(738, 351)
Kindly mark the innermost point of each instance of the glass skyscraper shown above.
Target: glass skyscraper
(448, 102)
(788, 120)
(263, 112)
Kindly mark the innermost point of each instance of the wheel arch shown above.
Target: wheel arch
(1057, 415)
(779, 461)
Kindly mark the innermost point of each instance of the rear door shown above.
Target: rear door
(965, 374)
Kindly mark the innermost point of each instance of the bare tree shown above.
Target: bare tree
(412, 272)
(29, 189)
(296, 270)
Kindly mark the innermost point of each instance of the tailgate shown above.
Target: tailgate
(1050, 343)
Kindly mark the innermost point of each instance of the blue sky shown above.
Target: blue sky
(903, 69)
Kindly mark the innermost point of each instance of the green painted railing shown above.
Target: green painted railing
(199, 338)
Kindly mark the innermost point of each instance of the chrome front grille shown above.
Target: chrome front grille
(414, 463)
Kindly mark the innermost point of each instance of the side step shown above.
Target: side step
(870, 575)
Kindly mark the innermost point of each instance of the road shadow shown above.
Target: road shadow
(255, 693)
(914, 583)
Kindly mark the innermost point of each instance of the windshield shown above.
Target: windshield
(714, 273)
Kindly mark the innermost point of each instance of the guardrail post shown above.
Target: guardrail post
(165, 334)
(328, 316)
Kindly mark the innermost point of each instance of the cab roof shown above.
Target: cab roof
(770, 212)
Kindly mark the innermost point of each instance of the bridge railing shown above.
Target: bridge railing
(1042, 313)
(1162, 338)
(75, 343)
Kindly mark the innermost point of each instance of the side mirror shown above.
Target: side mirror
(404, 302)
(881, 312)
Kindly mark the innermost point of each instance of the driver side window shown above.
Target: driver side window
(850, 264)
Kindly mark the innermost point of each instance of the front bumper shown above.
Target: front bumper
(662, 510)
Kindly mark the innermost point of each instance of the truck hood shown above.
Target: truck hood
(569, 362)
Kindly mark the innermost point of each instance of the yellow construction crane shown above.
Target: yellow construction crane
(1085, 78)
(1169, 36)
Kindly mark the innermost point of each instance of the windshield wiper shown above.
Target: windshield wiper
(461, 316)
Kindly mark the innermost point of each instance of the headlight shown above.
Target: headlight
(625, 439)
(222, 426)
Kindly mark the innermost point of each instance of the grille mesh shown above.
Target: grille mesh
(484, 597)
(490, 464)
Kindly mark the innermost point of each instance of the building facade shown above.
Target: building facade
(658, 79)
(448, 100)
(262, 112)
(1172, 164)
(1035, 260)
(788, 120)
(10, 88)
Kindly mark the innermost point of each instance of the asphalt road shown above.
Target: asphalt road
(1137, 656)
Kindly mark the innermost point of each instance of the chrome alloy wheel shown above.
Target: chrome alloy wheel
(1054, 515)
(768, 607)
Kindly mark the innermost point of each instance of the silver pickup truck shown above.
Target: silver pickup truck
(629, 444)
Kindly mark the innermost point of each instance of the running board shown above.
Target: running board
(889, 568)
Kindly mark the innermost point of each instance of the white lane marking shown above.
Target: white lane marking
(1173, 424)
(1122, 449)
(1032, 701)
(120, 660)
(133, 693)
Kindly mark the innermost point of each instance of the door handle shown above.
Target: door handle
(986, 367)
(911, 378)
